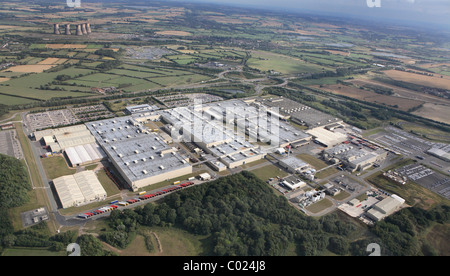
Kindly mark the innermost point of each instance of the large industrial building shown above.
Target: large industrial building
(220, 122)
(440, 151)
(294, 165)
(229, 129)
(85, 154)
(143, 108)
(141, 156)
(385, 207)
(354, 158)
(79, 189)
(327, 137)
(299, 113)
(61, 138)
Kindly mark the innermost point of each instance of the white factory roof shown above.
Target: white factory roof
(84, 154)
(51, 132)
(79, 188)
(294, 163)
(327, 137)
(137, 152)
(385, 207)
(68, 191)
(89, 185)
(441, 153)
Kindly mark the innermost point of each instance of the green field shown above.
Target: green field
(269, 171)
(56, 166)
(313, 161)
(266, 61)
(17, 251)
(413, 193)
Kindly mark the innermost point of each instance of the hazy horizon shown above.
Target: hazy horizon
(433, 13)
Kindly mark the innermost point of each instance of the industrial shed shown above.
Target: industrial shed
(140, 156)
(79, 189)
(85, 154)
(385, 207)
(68, 191)
(293, 164)
(326, 137)
(66, 137)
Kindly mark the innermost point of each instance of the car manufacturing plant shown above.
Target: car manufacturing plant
(313, 159)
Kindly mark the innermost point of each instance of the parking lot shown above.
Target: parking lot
(403, 142)
(9, 145)
(411, 146)
(92, 112)
(427, 178)
(48, 119)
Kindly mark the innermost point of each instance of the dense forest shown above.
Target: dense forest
(14, 188)
(244, 217)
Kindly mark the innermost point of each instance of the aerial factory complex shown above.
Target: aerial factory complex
(173, 128)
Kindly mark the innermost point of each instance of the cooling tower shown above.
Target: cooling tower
(88, 28)
(83, 29)
(79, 32)
(68, 29)
(56, 29)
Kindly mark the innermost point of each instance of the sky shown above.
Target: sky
(420, 12)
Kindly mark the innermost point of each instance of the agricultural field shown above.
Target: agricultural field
(266, 61)
(400, 103)
(436, 81)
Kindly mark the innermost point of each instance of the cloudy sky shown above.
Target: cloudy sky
(432, 12)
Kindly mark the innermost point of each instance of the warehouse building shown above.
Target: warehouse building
(298, 113)
(61, 138)
(385, 207)
(292, 182)
(141, 156)
(79, 189)
(326, 137)
(85, 154)
(294, 165)
(442, 152)
(143, 108)
(354, 158)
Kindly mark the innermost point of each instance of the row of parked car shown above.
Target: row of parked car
(115, 204)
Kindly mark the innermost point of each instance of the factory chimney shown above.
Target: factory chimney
(56, 29)
(68, 29)
(79, 32)
(83, 29)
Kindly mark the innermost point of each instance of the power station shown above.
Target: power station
(81, 29)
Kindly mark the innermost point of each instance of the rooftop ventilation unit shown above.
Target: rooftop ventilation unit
(161, 167)
(144, 172)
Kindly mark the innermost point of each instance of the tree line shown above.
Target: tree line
(243, 217)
